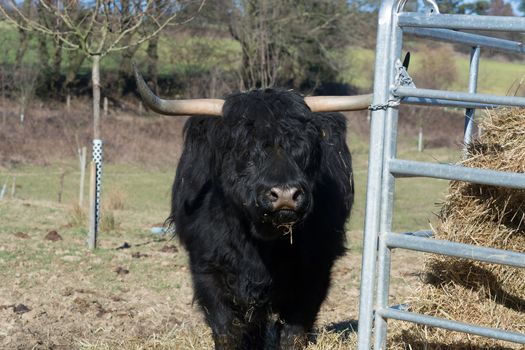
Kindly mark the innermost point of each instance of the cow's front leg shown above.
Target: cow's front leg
(299, 311)
(233, 327)
(293, 337)
(219, 314)
(240, 336)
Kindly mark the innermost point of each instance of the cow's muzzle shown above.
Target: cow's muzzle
(285, 198)
(284, 204)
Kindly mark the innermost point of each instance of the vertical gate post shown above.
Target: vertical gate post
(387, 190)
(375, 161)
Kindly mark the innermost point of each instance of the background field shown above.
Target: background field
(134, 291)
(141, 297)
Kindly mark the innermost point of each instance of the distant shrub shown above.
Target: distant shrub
(76, 216)
(108, 221)
(436, 68)
(116, 200)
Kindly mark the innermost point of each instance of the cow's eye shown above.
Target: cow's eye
(300, 155)
(242, 166)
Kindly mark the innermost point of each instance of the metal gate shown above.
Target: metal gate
(393, 86)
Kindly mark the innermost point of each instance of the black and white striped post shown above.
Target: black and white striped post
(95, 188)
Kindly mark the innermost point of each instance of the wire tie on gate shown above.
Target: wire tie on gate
(383, 106)
(402, 78)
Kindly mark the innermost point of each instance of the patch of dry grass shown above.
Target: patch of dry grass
(77, 216)
(198, 337)
(116, 199)
(474, 292)
(109, 222)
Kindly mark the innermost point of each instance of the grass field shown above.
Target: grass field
(146, 190)
(187, 56)
(495, 75)
(140, 298)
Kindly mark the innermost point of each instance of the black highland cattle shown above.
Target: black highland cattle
(260, 200)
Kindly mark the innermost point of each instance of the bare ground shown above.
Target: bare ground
(59, 295)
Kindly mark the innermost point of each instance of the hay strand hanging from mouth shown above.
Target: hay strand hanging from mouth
(287, 229)
(485, 294)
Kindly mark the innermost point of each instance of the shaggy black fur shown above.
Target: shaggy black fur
(250, 277)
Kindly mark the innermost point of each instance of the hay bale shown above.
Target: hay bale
(459, 289)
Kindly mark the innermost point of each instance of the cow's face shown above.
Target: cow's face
(269, 167)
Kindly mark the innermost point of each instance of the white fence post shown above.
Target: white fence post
(420, 140)
(4, 187)
(105, 106)
(68, 103)
(13, 187)
(82, 153)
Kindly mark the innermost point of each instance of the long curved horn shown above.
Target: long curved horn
(176, 107)
(338, 103)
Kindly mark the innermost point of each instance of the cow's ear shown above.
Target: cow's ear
(196, 165)
(406, 61)
(335, 172)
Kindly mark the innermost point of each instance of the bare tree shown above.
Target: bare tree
(24, 36)
(50, 52)
(25, 79)
(152, 49)
(255, 25)
(4, 78)
(95, 28)
(159, 9)
(287, 42)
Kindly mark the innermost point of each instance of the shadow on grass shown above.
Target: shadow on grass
(418, 344)
(344, 329)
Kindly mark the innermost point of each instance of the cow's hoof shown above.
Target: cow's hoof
(293, 338)
(223, 342)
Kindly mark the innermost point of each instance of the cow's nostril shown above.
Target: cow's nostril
(296, 194)
(274, 194)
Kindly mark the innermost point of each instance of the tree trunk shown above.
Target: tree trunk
(43, 53)
(22, 48)
(76, 59)
(153, 59)
(54, 65)
(95, 78)
(23, 41)
(2, 73)
(125, 73)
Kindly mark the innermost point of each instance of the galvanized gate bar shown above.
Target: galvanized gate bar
(412, 168)
(420, 233)
(453, 36)
(452, 325)
(458, 250)
(422, 101)
(384, 168)
(402, 91)
(492, 23)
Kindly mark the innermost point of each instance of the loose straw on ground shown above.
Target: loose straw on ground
(468, 291)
